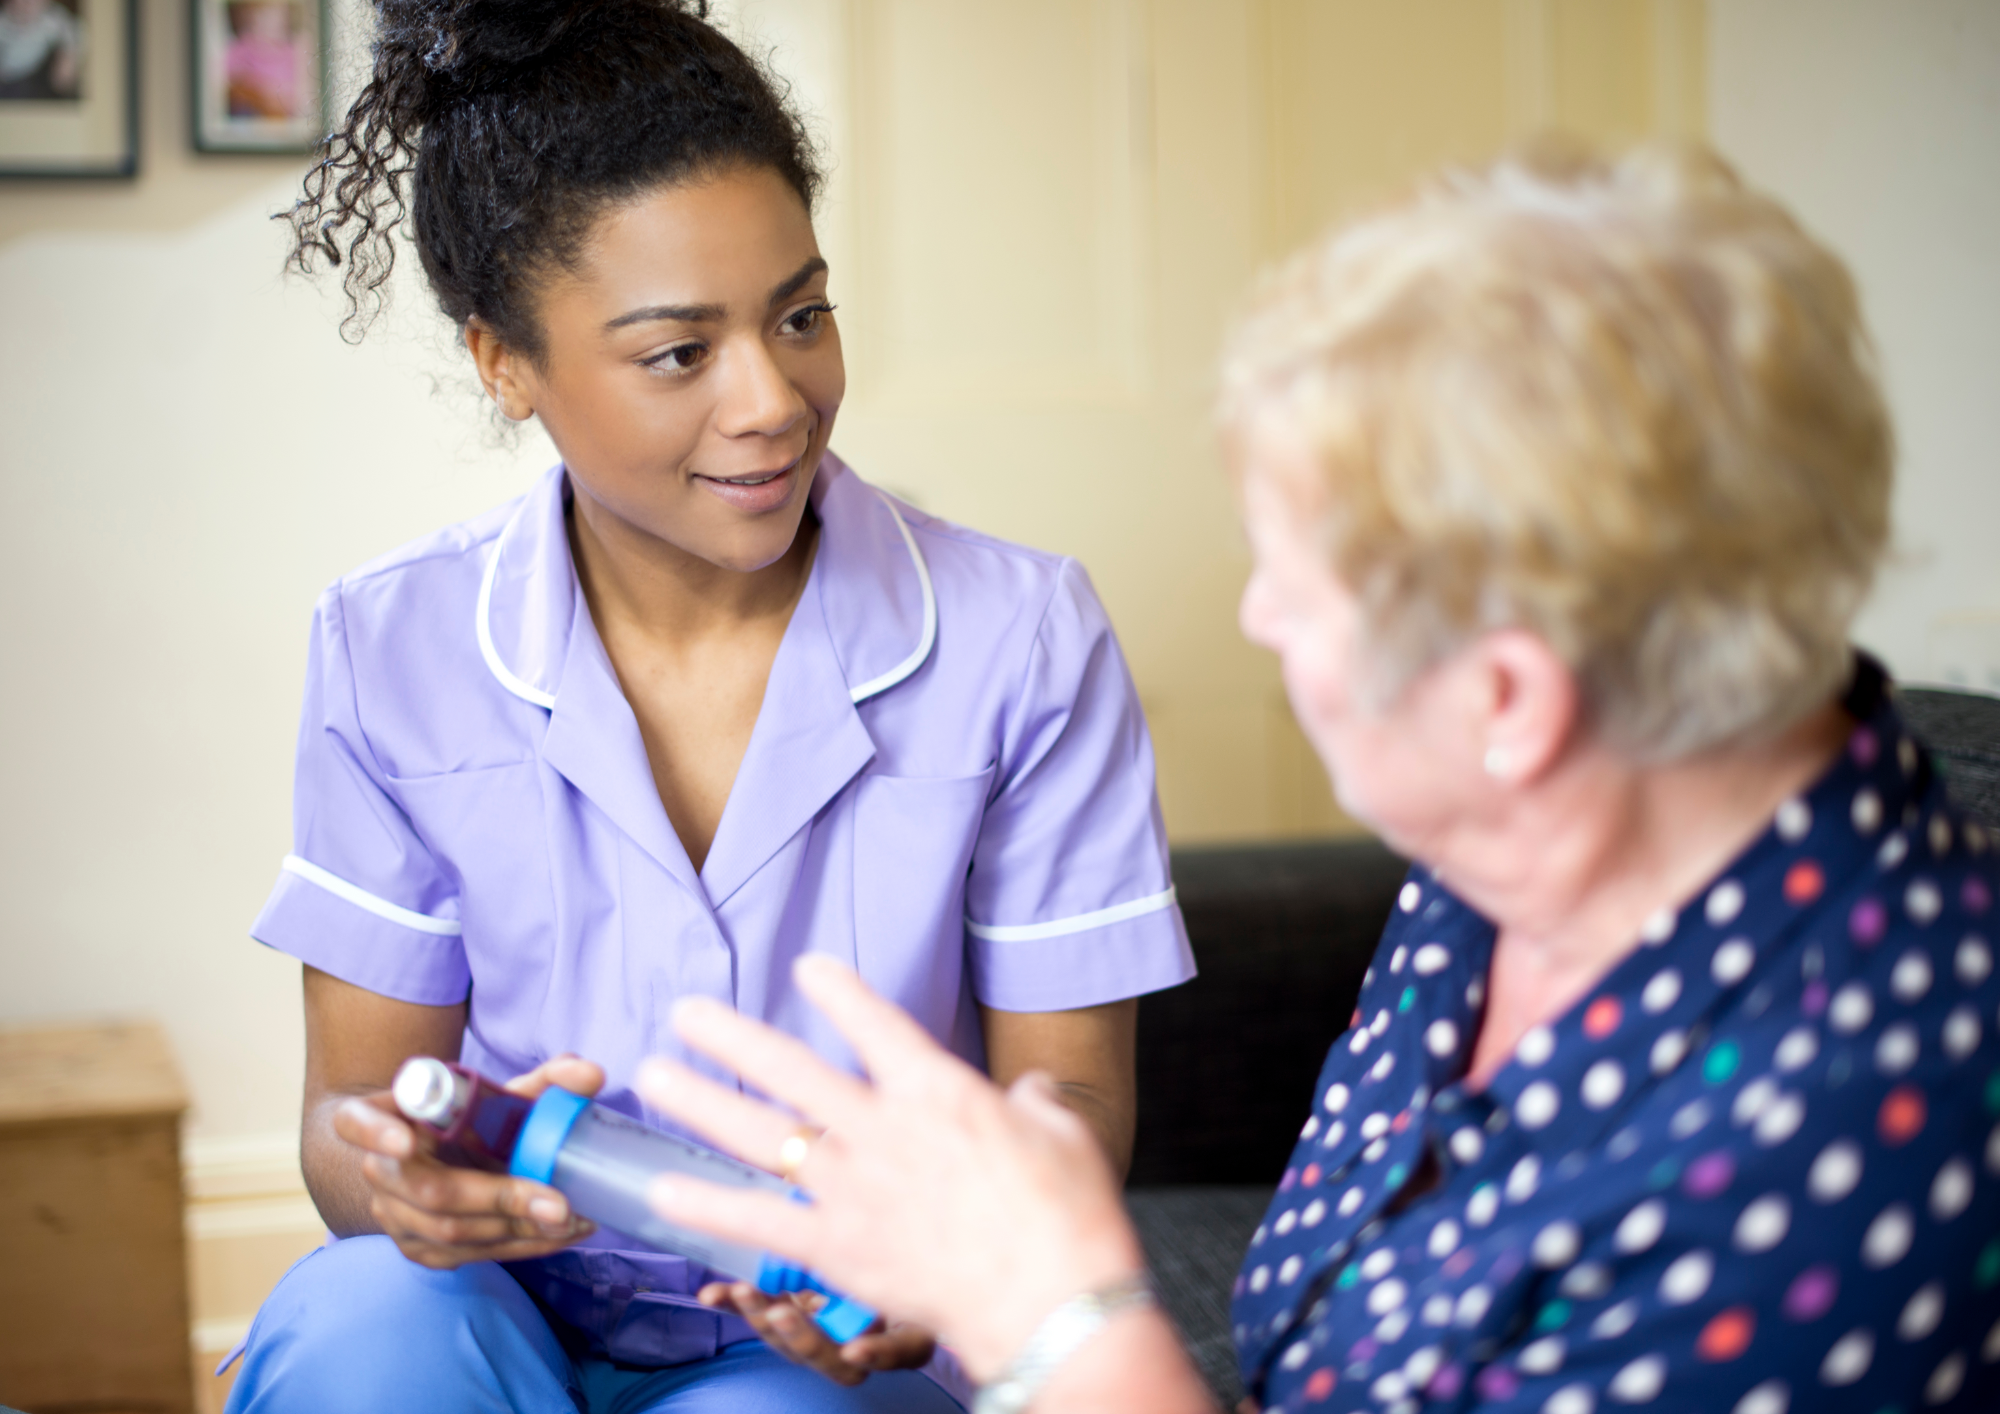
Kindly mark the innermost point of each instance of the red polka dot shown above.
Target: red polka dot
(1728, 1335)
(1602, 1018)
(1901, 1116)
(1804, 881)
(1400, 1123)
(1320, 1384)
(1310, 1176)
(1354, 1020)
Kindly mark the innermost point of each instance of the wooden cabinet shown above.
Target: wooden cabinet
(93, 1265)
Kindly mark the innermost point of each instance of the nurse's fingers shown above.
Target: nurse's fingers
(892, 1046)
(572, 1073)
(370, 1126)
(775, 1063)
(753, 1131)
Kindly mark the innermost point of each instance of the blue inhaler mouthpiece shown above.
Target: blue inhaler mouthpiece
(542, 1134)
(842, 1317)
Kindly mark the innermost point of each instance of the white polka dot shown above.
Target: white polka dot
(1975, 837)
(1603, 1083)
(1311, 1127)
(1912, 975)
(1378, 1264)
(1624, 1144)
(1380, 1070)
(1989, 1349)
(1386, 1297)
(1467, 1144)
(1537, 1105)
(1397, 958)
(1906, 755)
(1571, 1399)
(1444, 1239)
(1687, 1278)
(1360, 1040)
(1668, 1051)
(1336, 1096)
(1922, 1312)
(1752, 1100)
(1771, 1397)
(1851, 1010)
(1689, 1119)
(1763, 1224)
(1389, 1388)
(1441, 1038)
(1866, 812)
(1431, 958)
(1257, 1237)
(1524, 1178)
(1381, 1022)
(1535, 1047)
(1375, 1150)
(1314, 1214)
(1296, 1355)
(1408, 898)
(1260, 1278)
(1780, 1121)
(1835, 1172)
(1335, 1132)
(1973, 962)
(1895, 849)
(1940, 835)
(1794, 821)
(1473, 1304)
(1848, 1359)
(1993, 1151)
(1961, 1032)
(1351, 1201)
(1587, 1281)
(1475, 993)
(1945, 1380)
(1951, 1190)
(1922, 901)
(1663, 989)
(1482, 1205)
(1639, 1382)
(1556, 1245)
(1375, 1126)
(1896, 1049)
(1287, 1220)
(1615, 1321)
(1887, 1240)
(1419, 1368)
(1796, 1050)
(1732, 962)
(1641, 1228)
(1658, 927)
(1289, 1272)
(1725, 901)
(1544, 1356)
(1437, 1310)
(1390, 1328)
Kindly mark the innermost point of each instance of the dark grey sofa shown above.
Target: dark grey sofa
(1282, 934)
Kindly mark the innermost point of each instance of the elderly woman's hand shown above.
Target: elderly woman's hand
(924, 1178)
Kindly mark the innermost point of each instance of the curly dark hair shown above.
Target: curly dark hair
(499, 130)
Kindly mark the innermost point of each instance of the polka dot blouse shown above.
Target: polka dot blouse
(1756, 1170)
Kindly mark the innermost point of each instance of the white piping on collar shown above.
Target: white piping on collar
(482, 616)
(929, 639)
(1077, 923)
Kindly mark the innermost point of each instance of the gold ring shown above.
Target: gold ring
(793, 1152)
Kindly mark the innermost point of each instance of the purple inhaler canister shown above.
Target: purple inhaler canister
(603, 1162)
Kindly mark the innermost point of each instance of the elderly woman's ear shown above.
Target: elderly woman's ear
(1524, 707)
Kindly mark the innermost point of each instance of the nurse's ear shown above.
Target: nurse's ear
(501, 370)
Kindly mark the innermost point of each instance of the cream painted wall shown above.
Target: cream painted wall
(1879, 123)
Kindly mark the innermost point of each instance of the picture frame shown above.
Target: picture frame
(260, 74)
(69, 88)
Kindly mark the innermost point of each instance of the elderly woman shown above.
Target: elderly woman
(1673, 1081)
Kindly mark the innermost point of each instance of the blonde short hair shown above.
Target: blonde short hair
(1626, 404)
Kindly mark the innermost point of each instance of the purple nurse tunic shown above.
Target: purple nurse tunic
(949, 787)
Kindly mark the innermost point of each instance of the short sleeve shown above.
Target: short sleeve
(360, 896)
(1069, 902)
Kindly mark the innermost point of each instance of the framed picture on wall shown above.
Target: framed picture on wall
(69, 88)
(259, 74)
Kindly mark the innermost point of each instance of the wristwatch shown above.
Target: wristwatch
(1060, 1335)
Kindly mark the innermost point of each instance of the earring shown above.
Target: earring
(1498, 762)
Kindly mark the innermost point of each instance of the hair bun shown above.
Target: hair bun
(465, 46)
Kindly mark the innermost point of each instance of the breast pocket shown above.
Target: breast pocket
(913, 844)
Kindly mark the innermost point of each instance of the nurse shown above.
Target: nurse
(699, 704)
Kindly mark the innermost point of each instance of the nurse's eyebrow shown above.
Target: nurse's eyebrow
(678, 313)
(785, 289)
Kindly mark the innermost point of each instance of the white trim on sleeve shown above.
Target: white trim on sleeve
(1078, 923)
(929, 636)
(361, 898)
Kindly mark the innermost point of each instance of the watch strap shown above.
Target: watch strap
(1061, 1334)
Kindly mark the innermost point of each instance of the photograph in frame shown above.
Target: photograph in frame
(68, 88)
(259, 75)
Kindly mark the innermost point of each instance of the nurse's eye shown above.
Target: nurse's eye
(681, 358)
(807, 321)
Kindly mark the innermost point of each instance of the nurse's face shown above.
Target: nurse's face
(1400, 769)
(691, 369)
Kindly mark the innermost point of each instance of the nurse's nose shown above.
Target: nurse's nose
(758, 399)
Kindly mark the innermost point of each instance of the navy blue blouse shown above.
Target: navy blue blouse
(1755, 1170)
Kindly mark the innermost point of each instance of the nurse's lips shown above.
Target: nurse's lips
(756, 491)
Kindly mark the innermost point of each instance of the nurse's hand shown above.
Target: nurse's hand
(444, 1217)
(788, 1328)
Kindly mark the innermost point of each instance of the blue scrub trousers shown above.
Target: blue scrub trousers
(359, 1327)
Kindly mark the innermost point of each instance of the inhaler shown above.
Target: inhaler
(603, 1162)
